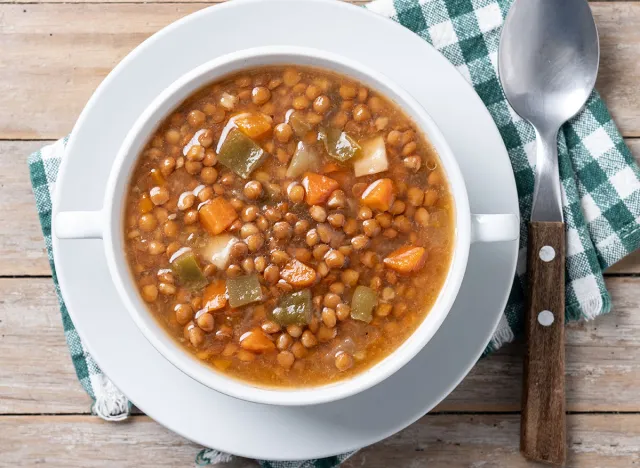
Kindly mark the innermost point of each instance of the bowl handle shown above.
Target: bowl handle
(494, 227)
(78, 225)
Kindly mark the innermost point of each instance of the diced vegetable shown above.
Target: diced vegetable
(379, 195)
(363, 302)
(299, 124)
(294, 309)
(222, 364)
(254, 124)
(257, 341)
(305, 159)
(340, 145)
(243, 290)
(330, 167)
(145, 205)
(318, 188)
(156, 176)
(217, 215)
(373, 158)
(217, 249)
(215, 295)
(240, 153)
(185, 266)
(406, 259)
(298, 274)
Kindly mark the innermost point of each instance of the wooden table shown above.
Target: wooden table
(52, 56)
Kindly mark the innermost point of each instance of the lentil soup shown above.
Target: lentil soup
(290, 227)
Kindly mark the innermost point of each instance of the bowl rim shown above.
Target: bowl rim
(168, 347)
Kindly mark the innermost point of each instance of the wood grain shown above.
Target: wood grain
(602, 359)
(543, 427)
(436, 441)
(54, 56)
(21, 244)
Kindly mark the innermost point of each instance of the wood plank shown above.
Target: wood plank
(493, 441)
(631, 263)
(54, 56)
(440, 441)
(619, 62)
(21, 244)
(36, 373)
(603, 359)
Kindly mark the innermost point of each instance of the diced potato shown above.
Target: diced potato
(373, 158)
(217, 250)
(305, 159)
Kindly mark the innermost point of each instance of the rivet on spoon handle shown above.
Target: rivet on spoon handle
(543, 431)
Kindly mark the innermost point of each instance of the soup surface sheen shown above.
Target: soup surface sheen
(289, 226)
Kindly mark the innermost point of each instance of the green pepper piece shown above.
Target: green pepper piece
(294, 309)
(363, 302)
(340, 145)
(299, 124)
(240, 153)
(185, 267)
(243, 290)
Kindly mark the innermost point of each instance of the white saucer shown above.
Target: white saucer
(219, 421)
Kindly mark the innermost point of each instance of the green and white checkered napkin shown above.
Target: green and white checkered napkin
(600, 180)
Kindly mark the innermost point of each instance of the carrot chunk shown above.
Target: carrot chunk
(215, 295)
(254, 125)
(379, 195)
(298, 274)
(330, 167)
(145, 205)
(257, 341)
(406, 259)
(318, 188)
(156, 176)
(217, 215)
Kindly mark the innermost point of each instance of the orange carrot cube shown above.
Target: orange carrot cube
(298, 274)
(318, 188)
(215, 295)
(217, 215)
(379, 195)
(407, 259)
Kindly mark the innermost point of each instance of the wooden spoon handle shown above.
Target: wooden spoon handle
(543, 425)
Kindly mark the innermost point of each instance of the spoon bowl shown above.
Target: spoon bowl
(549, 87)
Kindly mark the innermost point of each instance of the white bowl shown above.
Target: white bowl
(108, 225)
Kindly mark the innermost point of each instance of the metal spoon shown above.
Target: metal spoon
(548, 62)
